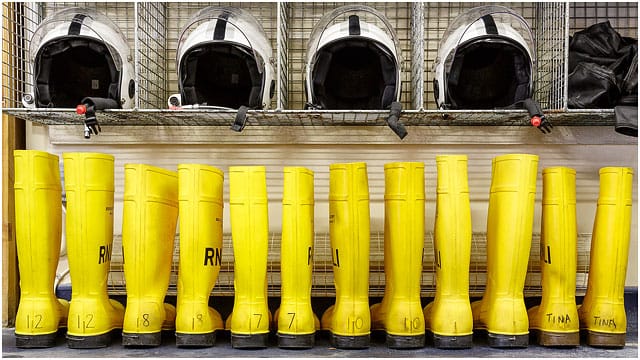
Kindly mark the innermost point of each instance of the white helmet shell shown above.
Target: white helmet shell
(486, 59)
(224, 59)
(353, 61)
(78, 53)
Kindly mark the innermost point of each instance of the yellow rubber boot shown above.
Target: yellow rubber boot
(602, 314)
(555, 321)
(349, 320)
(400, 312)
(38, 213)
(200, 208)
(502, 312)
(149, 220)
(250, 319)
(295, 320)
(449, 316)
(89, 185)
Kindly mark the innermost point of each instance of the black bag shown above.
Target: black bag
(603, 68)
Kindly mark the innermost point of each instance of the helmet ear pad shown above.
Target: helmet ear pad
(71, 68)
(488, 73)
(354, 73)
(220, 74)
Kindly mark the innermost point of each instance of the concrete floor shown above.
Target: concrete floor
(322, 349)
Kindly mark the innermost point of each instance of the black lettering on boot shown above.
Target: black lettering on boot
(336, 259)
(208, 256)
(104, 254)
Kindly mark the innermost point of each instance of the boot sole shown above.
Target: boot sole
(507, 341)
(287, 341)
(555, 339)
(89, 342)
(142, 340)
(604, 340)
(195, 340)
(256, 341)
(405, 341)
(350, 342)
(452, 342)
(36, 341)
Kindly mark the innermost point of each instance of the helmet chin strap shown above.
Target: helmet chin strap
(393, 120)
(88, 109)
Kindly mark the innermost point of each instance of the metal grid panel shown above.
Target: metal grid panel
(20, 20)
(547, 23)
(304, 16)
(178, 13)
(151, 55)
(551, 47)
(623, 16)
(323, 285)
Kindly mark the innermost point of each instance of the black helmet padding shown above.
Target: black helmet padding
(354, 73)
(220, 74)
(488, 73)
(71, 68)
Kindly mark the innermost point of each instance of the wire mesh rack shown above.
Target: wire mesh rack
(547, 21)
(322, 278)
(623, 16)
(152, 30)
(20, 21)
(303, 18)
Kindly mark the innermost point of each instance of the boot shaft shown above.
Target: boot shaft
(38, 217)
(296, 249)
(349, 230)
(150, 214)
(510, 222)
(200, 190)
(611, 235)
(89, 186)
(249, 228)
(558, 241)
(452, 231)
(404, 199)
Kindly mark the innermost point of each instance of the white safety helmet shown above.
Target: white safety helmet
(224, 59)
(78, 53)
(353, 61)
(485, 60)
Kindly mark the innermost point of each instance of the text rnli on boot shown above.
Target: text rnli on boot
(104, 254)
(212, 256)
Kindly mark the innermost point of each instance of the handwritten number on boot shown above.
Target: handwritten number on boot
(259, 318)
(87, 323)
(357, 323)
(293, 316)
(35, 324)
(409, 324)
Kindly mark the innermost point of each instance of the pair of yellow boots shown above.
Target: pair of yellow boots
(251, 320)
(149, 223)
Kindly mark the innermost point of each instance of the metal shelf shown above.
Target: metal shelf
(204, 117)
